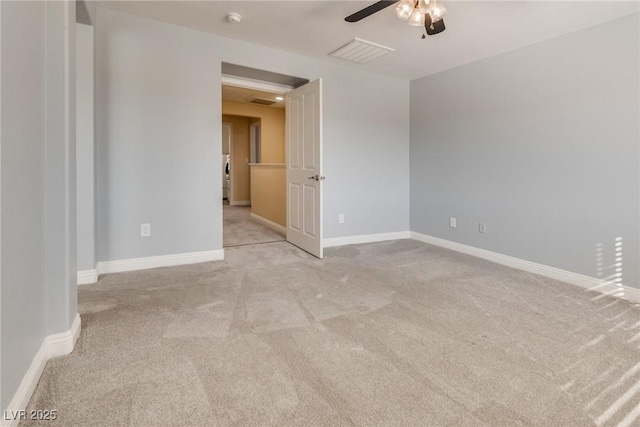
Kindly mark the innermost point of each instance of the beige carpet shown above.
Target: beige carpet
(394, 333)
(240, 229)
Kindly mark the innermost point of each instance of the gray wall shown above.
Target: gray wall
(85, 160)
(60, 167)
(36, 176)
(541, 144)
(158, 127)
(22, 189)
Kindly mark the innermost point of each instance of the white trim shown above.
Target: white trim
(254, 84)
(364, 238)
(63, 343)
(133, 264)
(586, 282)
(53, 346)
(240, 203)
(26, 388)
(86, 277)
(269, 223)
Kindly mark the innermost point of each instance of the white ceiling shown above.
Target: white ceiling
(475, 29)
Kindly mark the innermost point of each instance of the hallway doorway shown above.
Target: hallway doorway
(254, 209)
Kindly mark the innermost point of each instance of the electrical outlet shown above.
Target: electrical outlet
(145, 230)
(341, 219)
(482, 228)
(452, 222)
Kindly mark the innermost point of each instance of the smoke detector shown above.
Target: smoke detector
(234, 18)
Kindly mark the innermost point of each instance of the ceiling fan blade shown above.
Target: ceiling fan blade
(376, 7)
(438, 26)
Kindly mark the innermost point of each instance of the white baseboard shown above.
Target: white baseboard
(10, 416)
(269, 223)
(586, 282)
(64, 342)
(241, 203)
(86, 277)
(364, 238)
(53, 346)
(133, 264)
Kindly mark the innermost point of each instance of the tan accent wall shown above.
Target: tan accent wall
(268, 192)
(272, 128)
(240, 184)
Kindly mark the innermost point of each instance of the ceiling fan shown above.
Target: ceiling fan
(418, 12)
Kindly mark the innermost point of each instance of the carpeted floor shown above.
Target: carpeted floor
(240, 229)
(393, 333)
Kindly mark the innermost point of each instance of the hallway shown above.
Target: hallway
(240, 229)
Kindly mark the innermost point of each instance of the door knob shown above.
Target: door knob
(317, 177)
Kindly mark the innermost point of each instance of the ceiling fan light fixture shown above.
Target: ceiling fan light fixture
(404, 9)
(418, 13)
(436, 10)
(424, 5)
(417, 18)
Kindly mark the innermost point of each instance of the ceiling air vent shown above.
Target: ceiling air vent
(361, 51)
(260, 101)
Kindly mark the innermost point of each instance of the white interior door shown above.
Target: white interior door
(304, 167)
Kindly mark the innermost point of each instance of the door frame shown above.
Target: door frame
(255, 156)
(230, 189)
(283, 90)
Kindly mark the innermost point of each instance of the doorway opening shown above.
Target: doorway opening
(253, 132)
(283, 146)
